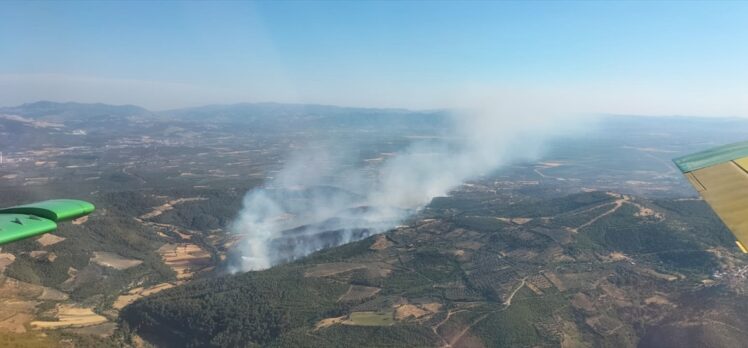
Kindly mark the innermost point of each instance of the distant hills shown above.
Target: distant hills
(260, 113)
(54, 111)
(269, 114)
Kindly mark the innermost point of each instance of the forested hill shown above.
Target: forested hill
(470, 271)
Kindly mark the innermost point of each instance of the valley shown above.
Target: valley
(600, 240)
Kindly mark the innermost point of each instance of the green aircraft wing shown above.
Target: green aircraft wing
(720, 175)
(29, 220)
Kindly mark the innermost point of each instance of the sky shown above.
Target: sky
(653, 58)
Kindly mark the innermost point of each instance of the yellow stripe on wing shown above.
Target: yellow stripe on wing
(741, 246)
(742, 163)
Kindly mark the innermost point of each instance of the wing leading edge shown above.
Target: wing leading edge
(25, 221)
(720, 175)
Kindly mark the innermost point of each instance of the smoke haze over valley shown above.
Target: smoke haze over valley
(319, 199)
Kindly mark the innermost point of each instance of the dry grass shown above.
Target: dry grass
(417, 311)
(406, 311)
(655, 274)
(18, 301)
(136, 293)
(329, 322)
(101, 330)
(27, 340)
(555, 281)
(516, 221)
(370, 319)
(381, 243)
(618, 256)
(71, 316)
(658, 300)
(604, 325)
(469, 245)
(583, 302)
(169, 206)
(329, 269)
(185, 259)
(16, 323)
(358, 292)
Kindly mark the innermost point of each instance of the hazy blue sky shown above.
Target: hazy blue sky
(627, 57)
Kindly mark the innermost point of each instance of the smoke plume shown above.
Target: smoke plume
(319, 200)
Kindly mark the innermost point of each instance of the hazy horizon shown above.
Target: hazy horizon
(653, 58)
(446, 109)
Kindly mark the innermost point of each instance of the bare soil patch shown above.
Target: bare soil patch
(80, 221)
(49, 239)
(5, 260)
(107, 259)
(49, 294)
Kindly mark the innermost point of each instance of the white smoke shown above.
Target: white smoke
(318, 201)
